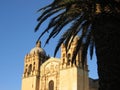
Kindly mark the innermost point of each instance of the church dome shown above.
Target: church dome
(38, 49)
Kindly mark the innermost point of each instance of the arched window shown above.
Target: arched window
(34, 68)
(29, 69)
(69, 55)
(63, 55)
(51, 85)
(63, 60)
(25, 70)
(69, 58)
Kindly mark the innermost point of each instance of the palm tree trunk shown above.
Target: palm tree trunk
(107, 40)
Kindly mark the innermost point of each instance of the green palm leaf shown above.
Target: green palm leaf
(79, 14)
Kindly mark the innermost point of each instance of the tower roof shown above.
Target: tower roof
(38, 49)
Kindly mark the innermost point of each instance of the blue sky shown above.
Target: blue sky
(17, 38)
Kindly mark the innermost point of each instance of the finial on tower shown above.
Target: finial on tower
(38, 44)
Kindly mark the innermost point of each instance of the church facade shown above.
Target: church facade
(42, 72)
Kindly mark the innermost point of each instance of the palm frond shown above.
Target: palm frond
(85, 48)
(46, 15)
(46, 7)
(79, 44)
(79, 14)
(91, 48)
(61, 40)
(51, 24)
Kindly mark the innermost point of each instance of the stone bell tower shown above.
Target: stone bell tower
(72, 75)
(32, 62)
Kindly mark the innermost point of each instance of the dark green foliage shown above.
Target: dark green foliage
(80, 14)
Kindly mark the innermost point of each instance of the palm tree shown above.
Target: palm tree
(97, 23)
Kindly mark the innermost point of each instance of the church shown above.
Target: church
(42, 72)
